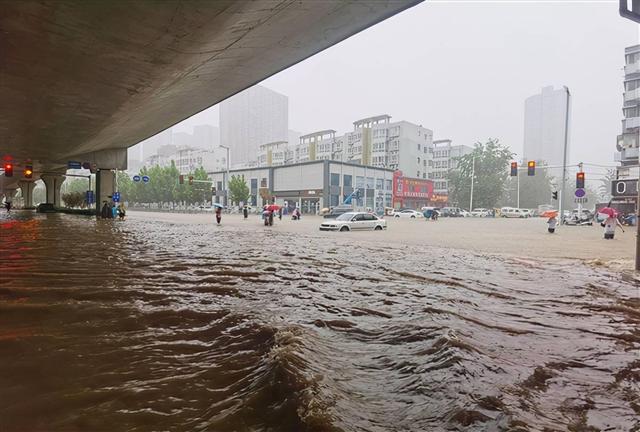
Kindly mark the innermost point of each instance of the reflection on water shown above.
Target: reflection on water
(147, 326)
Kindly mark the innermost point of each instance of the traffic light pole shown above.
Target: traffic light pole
(518, 193)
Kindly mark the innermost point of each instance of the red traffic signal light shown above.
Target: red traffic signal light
(28, 171)
(531, 168)
(580, 180)
(8, 170)
(181, 179)
(190, 180)
(514, 169)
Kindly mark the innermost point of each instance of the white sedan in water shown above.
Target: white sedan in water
(408, 214)
(354, 221)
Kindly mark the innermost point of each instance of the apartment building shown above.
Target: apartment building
(625, 195)
(442, 159)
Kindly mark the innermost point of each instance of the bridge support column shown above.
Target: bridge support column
(27, 193)
(105, 187)
(53, 182)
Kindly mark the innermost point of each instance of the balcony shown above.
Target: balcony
(632, 68)
(632, 95)
(629, 153)
(632, 122)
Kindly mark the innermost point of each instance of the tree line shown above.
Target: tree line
(164, 186)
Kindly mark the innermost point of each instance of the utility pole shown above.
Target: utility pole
(638, 215)
(564, 156)
(473, 174)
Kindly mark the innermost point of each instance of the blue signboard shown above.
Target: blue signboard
(580, 193)
(116, 197)
(145, 179)
(90, 198)
(136, 178)
(74, 165)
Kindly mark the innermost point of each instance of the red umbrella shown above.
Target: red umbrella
(550, 214)
(608, 211)
(273, 207)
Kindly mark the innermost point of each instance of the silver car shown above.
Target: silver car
(353, 221)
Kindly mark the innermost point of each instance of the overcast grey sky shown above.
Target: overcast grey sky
(464, 69)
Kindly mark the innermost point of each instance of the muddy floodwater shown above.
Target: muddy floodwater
(150, 326)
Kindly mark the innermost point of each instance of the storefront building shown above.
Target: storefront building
(315, 185)
(409, 192)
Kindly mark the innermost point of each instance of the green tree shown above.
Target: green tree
(489, 162)
(604, 190)
(201, 192)
(74, 199)
(238, 189)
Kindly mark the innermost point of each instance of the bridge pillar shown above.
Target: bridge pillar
(105, 187)
(53, 183)
(27, 193)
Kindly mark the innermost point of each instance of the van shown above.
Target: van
(510, 212)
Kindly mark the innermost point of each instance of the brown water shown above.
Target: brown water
(147, 326)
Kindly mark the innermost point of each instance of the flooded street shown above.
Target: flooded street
(151, 325)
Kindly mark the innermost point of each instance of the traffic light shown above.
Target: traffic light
(28, 171)
(514, 169)
(8, 169)
(531, 168)
(580, 180)
(181, 179)
(190, 180)
(554, 195)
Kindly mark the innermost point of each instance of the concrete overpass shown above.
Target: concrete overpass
(85, 80)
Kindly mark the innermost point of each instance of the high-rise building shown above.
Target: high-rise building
(443, 159)
(627, 144)
(546, 117)
(251, 118)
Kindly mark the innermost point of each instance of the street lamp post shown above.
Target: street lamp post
(226, 177)
(473, 174)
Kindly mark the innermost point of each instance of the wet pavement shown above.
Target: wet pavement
(151, 325)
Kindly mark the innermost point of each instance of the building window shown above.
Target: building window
(359, 182)
(346, 180)
(369, 183)
(335, 180)
(379, 184)
(263, 182)
(254, 184)
(219, 186)
(389, 185)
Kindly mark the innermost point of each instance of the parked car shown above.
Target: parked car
(465, 213)
(353, 221)
(584, 218)
(480, 212)
(450, 212)
(526, 212)
(510, 212)
(409, 213)
(337, 211)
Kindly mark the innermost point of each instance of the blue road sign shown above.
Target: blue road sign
(145, 179)
(116, 197)
(74, 165)
(90, 198)
(580, 193)
(136, 178)
(86, 165)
